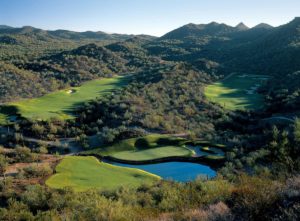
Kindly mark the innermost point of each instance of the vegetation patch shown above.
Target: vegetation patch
(237, 92)
(61, 104)
(83, 173)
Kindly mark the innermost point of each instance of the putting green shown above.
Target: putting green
(153, 153)
(149, 147)
(237, 92)
(61, 104)
(83, 173)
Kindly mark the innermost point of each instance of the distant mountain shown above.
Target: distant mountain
(63, 34)
(263, 26)
(31, 43)
(278, 51)
(241, 27)
(193, 30)
(261, 49)
(5, 27)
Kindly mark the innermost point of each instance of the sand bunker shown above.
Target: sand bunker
(243, 76)
(71, 91)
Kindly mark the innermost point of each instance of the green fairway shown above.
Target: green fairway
(153, 153)
(83, 173)
(150, 147)
(61, 104)
(237, 92)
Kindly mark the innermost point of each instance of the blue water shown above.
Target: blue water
(177, 171)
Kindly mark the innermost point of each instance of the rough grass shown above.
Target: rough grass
(145, 148)
(236, 92)
(83, 173)
(61, 104)
(3, 119)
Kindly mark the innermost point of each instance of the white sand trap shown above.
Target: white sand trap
(71, 91)
(243, 76)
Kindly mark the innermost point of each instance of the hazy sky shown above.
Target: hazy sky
(154, 17)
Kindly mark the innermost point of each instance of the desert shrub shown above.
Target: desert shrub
(289, 203)
(43, 150)
(253, 196)
(214, 191)
(24, 154)
(37, 171)
(16, 211)
(35, 197)
(215, 212)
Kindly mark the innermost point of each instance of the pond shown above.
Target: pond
(177, 171)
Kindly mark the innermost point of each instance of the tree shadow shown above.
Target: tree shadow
(115, 86)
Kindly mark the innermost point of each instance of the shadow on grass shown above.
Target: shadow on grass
(10, 112)
(124, 81)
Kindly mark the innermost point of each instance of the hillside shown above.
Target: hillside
(199, 124)
(236, 49)
(63, 34)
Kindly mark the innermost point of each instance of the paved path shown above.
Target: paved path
(228, 76)
(290, 120)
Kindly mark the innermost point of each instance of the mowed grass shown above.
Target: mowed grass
(153, 153)
(237, 92)
(149, 147)
(84, 173)
(61, 104)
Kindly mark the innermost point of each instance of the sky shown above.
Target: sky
(153, 17)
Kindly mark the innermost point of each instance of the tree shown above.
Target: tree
(23, 154)
(297, 131)
(3, 165)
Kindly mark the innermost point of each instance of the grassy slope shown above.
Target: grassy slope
(231, 93)
(83, 173)
(128, 150)
(61, 103)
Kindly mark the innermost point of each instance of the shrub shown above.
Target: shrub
(37, 171)
(142, 143)
(253, 196)
(23, 154)
(43, 150)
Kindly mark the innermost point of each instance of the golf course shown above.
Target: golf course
(87, 172)
(237, 92)
(61, 104)
(83, 173)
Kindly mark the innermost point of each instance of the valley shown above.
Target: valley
(202, 120)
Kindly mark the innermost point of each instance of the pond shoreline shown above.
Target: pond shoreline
(213, 163)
